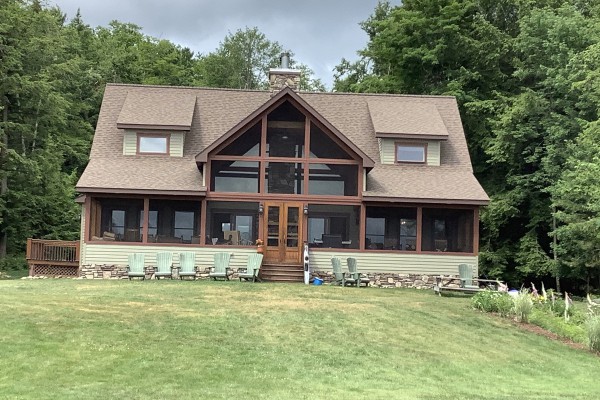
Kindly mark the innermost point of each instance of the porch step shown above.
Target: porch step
(282, 272)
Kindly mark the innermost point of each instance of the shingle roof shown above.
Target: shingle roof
(402, 117)
(157, 109)
(216, 111)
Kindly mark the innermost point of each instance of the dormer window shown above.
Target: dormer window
(152, 144)
(411, 153)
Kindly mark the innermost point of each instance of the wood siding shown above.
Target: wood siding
(82, 235)
(175, 143)
(371, 262)
(387, 150)
(117, 254)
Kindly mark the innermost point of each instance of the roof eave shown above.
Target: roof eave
(122, 125)
(83, 190)
(390, 199)
(420, 136)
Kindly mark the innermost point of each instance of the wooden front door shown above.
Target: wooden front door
(283, 231)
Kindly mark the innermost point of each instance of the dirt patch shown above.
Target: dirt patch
(551, 335)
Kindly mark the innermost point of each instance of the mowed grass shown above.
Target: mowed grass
(74, 339)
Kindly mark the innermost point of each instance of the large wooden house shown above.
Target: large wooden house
(386, 179)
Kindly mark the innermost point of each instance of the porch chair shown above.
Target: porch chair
(164, 265)
(187, 264)
(252, 268)
(357, 276)
(339, 277)
(135, 266)
(220, 269)
(465, 272)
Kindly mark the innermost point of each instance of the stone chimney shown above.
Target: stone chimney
(284, 76)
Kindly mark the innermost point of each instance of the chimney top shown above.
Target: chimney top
(284, 75)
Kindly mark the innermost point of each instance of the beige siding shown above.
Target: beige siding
(117, 254)
(428, 264)
(129, 143)
(176, 144)
(387, 150)
(82, 235)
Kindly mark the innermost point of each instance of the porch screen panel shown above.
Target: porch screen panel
(119, 220)
(285, 132)
(234, 176)
(333, 226)
(247, 144)
(284, 178)
(233, 223)
(391, 228)
(333, 180)
(447, 230)
(174, 221)
(322, 146)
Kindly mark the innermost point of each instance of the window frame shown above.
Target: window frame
(140, 135)
(397, 146)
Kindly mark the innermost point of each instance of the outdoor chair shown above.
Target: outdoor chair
(135, 266)
(252, 268)
(339, 277)
(354, 274)
(187, 264)
(164, 265)
(465, 272)
(220, 269)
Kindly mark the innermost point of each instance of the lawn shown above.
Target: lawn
(79, 339)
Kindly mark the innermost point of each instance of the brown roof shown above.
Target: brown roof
(157, 109)
(217, 111)
(403, 118)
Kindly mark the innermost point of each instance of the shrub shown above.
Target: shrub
(523, 306)
(491, 301)
(592, 327)
(13, 263)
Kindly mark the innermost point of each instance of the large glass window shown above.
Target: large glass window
(232, 223)
(391, 228)
(174, 221)
(284, 178)
(116, 219)
(285, 132)
(333, 226)
(234, 176)
(333, 180)
(322, 146)
(447, 230)
(248, 144)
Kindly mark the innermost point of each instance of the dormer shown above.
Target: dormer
(155, 123)
(408, 133)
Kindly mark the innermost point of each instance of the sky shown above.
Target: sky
(319, 32)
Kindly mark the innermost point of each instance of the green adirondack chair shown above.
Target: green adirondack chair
(135, 266)
(339, 277)
(252, 268)
(164, 265)
(187, 264)
(220, 269)
(357, 276)
(465, 272)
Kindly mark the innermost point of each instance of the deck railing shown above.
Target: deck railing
(52, 257)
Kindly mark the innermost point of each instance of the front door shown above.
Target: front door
(283, 229)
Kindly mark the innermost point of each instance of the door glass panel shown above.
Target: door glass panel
(273, 226)
(293, 214)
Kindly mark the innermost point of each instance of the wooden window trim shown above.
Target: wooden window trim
(397, 144)
(140, 135)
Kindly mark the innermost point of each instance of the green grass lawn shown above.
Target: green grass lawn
(77, 339)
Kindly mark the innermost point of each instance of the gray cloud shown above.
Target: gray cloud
(319, 32)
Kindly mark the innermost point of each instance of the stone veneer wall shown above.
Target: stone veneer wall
(104, 271)
(279, 79)
(394, 280)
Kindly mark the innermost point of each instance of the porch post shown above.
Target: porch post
(476, 231)
(146, 220)
(419, 228)
(362, 226)
(203, 222)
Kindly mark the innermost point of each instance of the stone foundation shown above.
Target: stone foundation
(393, 280)
(104, 271)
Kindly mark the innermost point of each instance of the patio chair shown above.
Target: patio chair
(135, 266)
(339, 277)
(164, 265)
(465, 272)
(220, 269)
(187, 264)
(252, 268)
(354, 274)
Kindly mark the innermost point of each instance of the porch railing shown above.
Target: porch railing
(52, 257)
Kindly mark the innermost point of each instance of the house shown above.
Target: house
(386, 179)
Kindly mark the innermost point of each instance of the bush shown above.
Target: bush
(592, 327)
(13, 263)
(523, 306)
(491, 301)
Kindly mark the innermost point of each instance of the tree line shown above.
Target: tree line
(526, 74)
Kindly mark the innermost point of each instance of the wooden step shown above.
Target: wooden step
(282, 272)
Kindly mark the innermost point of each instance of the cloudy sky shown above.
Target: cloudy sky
(319, 32)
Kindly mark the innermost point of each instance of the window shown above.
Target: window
(284, 178)
(234, 176)
(333, 226)
(447, 230)
(411, 153)
(232, 223)
(333, 179)
(391, 228)
(116, 219)
(153, 144)
(174, 221)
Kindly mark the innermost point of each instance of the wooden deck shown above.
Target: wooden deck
(52, 257)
